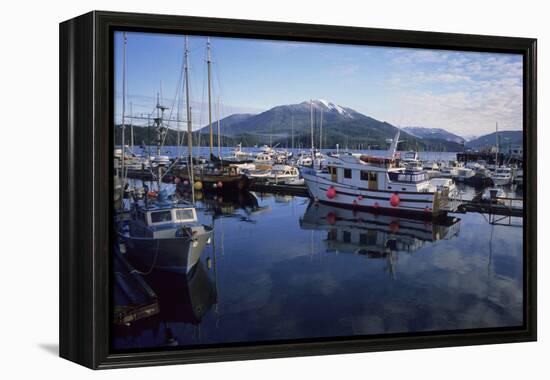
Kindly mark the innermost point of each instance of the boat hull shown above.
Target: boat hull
(178, 254)
(415, 204)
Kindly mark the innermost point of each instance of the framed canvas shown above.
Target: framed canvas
(234, 189)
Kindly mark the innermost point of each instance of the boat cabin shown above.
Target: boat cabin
(160, 222)
(376, 173)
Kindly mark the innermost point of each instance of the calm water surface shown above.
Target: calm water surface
(281, 269)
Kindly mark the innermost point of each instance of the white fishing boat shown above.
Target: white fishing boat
(237, 155)
(277, 174)
(369, 182)
(463, 174)
(502, 175)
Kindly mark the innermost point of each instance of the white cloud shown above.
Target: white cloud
(465, 93)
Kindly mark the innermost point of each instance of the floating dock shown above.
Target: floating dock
(133, 298)
(296, 190)
(503, 207)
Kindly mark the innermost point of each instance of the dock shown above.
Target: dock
(296, 190)
(133, 298)
(502, 207)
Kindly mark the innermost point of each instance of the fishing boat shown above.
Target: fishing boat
(215, 178)
(376, 183)
(502, 175)
(163, 235)
(238, 156)
(278, 174)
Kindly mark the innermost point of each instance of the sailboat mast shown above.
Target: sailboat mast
(497, 147)
(292, 130)
(219, 138)
(123, 118)
(189, 122)
(209, 64)
(321, 131)
(311, 128)
(131, 130)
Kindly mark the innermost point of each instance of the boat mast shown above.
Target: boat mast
(219, 138)
(292, 130)
(131, 130)
(209, 64)
(321, 131)
(496, 150)
(311, 127)
(123, 118)
(189, 123)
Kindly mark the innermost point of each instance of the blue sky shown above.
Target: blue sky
(463, 92)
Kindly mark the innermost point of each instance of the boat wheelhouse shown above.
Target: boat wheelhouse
(367, 182)
(503, 175)
(163, 235)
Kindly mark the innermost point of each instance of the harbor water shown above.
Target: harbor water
(281, 269)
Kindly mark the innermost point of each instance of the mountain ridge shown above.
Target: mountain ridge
(340, 125)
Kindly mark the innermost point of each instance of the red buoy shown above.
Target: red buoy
(394, 200)
(360, 197)
(220, 184)
(331, 218)
(331, 192)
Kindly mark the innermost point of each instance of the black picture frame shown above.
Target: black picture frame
(86, 109)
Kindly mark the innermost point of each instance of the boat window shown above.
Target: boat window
(161, 216)
(364, 175)
(185, 214)
(347, 173)
(346, 237)
(141, 216)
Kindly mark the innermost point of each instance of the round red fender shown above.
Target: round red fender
(360, 197)
(331, 218)
(331, 192)
(220, 184)
(177, 180)
(394, 199)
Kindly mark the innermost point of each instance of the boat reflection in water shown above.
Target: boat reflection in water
(375, 235)
(184, 300)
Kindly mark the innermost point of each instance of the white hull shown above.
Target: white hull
(502, 181)
(349, 196)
